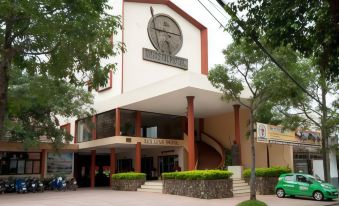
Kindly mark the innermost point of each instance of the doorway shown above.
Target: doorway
(166, 163)
(147, 167)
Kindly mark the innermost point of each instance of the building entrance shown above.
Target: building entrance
(147, 167)
(167, 163)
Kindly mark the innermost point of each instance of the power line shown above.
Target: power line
(218, 9)
(258, 43)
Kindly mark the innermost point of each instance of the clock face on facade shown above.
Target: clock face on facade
(165, 34)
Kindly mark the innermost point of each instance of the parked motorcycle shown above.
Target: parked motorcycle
(9, 186)
(2, 186)
(58, 184)
(32, 185)
(20, 186)
(72, 184)
(40, 186)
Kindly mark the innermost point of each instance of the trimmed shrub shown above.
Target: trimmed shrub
(252, 203)
(198, 175)
(129, 176)
(267, 172)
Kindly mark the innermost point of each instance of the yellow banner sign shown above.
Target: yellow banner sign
(278, 135)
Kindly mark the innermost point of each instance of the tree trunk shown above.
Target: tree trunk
(252, 181)
(324, 127)
(3, 95)
(6, 57)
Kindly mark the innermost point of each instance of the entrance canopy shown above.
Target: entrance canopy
(169, 97)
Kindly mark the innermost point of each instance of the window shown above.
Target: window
(301, 178)
(19, 163)
(84, 130)
(108, 83)
(289, 178)
(105, 124)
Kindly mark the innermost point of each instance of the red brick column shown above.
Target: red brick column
(75, 131)
(43, 163)
(92, 170)
(94, 131)
(112, 165)
(138, 124)
(237, 127)
(191, 141)
(117, 122)
(137, 166)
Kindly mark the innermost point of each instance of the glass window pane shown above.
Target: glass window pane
(21, 166)
(29, 167)
(36, 167)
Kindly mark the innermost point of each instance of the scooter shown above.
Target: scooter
(20, 186)
(72, 184)
(32, 185)
(40, 186)
(58, 184)
(9, 186)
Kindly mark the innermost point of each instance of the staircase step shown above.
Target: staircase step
(155, 183)
(149, 190)
(159, 187)
(241, 187)
(240, 184)
(238, 180)
(241, 194)
(241, 191)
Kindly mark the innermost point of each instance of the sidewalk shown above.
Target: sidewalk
(106, 197)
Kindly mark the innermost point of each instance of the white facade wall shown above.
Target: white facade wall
(138, 72)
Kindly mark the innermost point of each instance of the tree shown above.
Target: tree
(34, 103)
(246, 65)
(64, 40)
(310, 28)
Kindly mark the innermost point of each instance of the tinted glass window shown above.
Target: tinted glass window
(301, 178)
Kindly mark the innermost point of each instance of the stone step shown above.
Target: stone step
(155, 183)
(238, 180)
(159, 187)
(241, 187)
(247, 190)
(149, 190)
(239, 184)
(241, 194)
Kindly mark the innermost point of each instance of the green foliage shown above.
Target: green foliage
(198, 175)
(309, 27)
(267, 172)
(34, 103)
(129, 176)
(252, 203)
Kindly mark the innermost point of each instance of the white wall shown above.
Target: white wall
(138, 72)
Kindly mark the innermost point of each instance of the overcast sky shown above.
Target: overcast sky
(217, 38)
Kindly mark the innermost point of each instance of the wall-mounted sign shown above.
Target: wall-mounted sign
(60, 163)
(166, 37)
(278, 135)
(161, 141)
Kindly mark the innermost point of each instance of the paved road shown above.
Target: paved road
(105, 197)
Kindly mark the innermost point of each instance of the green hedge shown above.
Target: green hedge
(129, 176)
(198, 175)
(267, 172)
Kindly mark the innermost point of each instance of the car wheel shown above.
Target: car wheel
(317, 195)
(280, 193)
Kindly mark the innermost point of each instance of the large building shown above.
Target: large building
(158, 113)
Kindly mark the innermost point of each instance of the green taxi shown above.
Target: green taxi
(297, 184)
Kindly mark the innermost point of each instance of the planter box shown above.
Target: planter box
(127, 185)
(265, 185)
(204, 189)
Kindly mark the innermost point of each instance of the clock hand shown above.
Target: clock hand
(155, 28)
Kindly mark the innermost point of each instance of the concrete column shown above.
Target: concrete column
(94, 131)
(117, 122)
(137, 124)
(236, 108)
(43, 163)
(191, 141)
(137, 166)
(112, 165)
(92, 170)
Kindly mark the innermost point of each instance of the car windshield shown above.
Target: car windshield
(311, 178)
